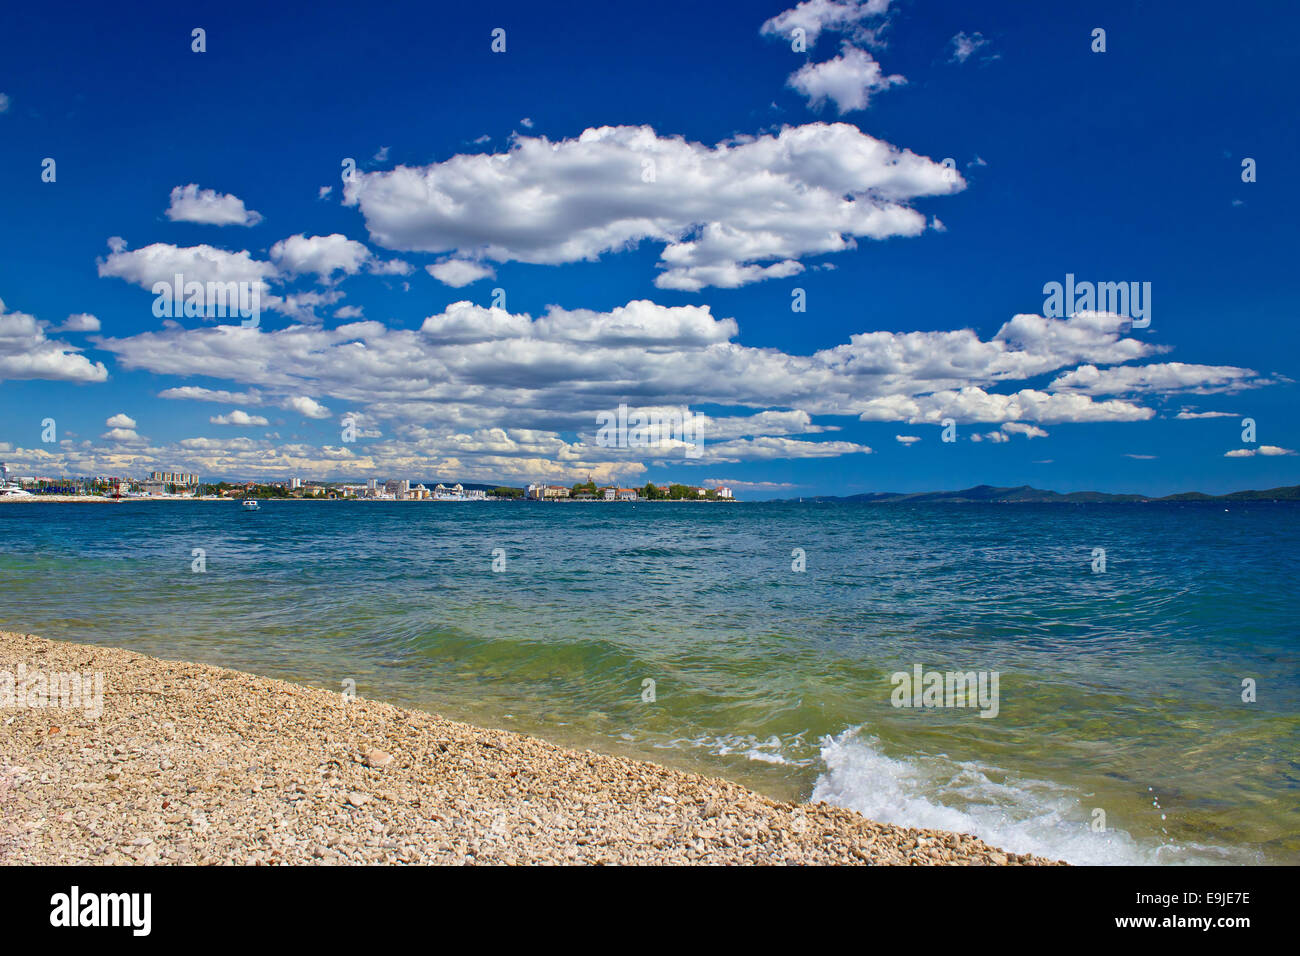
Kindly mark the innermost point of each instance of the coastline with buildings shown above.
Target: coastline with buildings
(648, 492)
(186, 486)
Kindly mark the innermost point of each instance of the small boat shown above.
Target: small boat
(250, 504)
(11, 489)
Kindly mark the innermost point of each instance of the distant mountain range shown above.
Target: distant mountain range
(1024, 494)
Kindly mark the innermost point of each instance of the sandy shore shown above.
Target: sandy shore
(190, 763)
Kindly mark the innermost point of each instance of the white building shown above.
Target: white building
(547, 492)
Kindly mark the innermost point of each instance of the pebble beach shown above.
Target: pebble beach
(194, 764)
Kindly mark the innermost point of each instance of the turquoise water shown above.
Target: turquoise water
(1119, 691)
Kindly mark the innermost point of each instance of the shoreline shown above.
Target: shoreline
(195, 764)
(99, 499)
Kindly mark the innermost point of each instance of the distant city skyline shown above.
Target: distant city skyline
(820, 248)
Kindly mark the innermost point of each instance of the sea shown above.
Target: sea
(1140, 663)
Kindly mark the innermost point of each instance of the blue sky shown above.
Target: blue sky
(773, 170)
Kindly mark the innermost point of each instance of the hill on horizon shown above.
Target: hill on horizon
(1026, 494)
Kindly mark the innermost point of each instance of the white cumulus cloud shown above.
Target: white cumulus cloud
(80, 322)
(1164, 377)
(730, 214)
(1024, 428)
(307, 407)
(161, 261)
(25, 353)
(192, 204)
(1266, 450)
(240, 418)
(974, 404)
(198, 393)
(322, 255)
(816, 16)
(459, 272)
(506, 392)
(848, 80)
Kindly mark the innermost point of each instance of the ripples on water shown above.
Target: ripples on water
(1118, 690)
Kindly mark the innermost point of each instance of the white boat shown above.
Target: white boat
(250, 504)
(11, 489)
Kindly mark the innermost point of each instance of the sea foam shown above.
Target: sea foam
(1013, 813)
